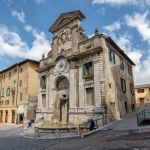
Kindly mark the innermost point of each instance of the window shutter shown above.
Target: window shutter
(2, 91)
(8, 92)
(114, 57)
(83, 71)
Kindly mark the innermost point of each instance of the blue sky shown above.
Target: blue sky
(24, 28)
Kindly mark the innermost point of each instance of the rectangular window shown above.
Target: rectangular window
(7, 102)
(20, 96)
(4, 76)
(132, 88)
(21, 69)
(15, 70)
(90, 96)
(112, 56)
(8, 92)
(121, 64)
(2, 92)
(140, 90)
(9, 75)
(123, 85)
(88, 71)
(130, 69)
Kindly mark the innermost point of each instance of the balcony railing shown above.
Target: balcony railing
(143, 117)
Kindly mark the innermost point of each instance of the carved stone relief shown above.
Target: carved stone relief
(64, 40)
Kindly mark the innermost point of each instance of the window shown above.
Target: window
(121, 64)
(110, 85)
(123, 85)
(43, 82)
(2, 92)
(112, 56)
(44, 100)
(88, 71)
(8, 92)
(15, 70)
(7, 102)
(129, 69)
(21, 70)
(132, 88)
(140, 90)
(9, 75)
(4, 76)
(90, 96)
(20, 96)
(1, 102)
(20, 83)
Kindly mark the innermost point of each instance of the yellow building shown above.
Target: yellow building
(142, 94)
(19, 89)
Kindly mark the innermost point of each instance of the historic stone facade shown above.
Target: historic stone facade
(81, 78)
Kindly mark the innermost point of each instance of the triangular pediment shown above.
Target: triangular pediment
(66, 18)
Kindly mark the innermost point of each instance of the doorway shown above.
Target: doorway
(13, 116)
(6, 116)
(141, 101)
(126, 107)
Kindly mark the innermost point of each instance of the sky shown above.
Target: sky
(24, 28)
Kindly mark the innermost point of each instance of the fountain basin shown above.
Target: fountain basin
(55, 130)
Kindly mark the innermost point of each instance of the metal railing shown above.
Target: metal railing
(143, 117)
(100, 122)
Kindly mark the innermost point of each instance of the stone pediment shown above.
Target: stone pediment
(66, 18)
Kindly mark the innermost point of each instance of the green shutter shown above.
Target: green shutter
(8, 92)
(83, 71)
(2, 92)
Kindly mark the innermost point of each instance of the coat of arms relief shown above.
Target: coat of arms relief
(64, 40)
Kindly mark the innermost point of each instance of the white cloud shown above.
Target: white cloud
(39, 1)
(140, 23)
(120, 2)
(12, 45)
(28, 28)
(20, 15)
(115, 26)
(114, 2)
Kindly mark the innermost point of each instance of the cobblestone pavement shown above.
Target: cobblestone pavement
(103, 140)
(11, 140)
(108, 140)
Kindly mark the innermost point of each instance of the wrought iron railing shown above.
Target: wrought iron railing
(143, 117)
(98, 123)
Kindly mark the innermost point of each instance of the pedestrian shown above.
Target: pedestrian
(30, 122)
(92, 125)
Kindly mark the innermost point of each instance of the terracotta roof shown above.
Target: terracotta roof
(19, 63)
(142, 86)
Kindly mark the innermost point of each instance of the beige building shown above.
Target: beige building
(18, 88)
(142, 95)
(82, 77)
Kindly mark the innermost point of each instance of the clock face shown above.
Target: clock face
(61, 65)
